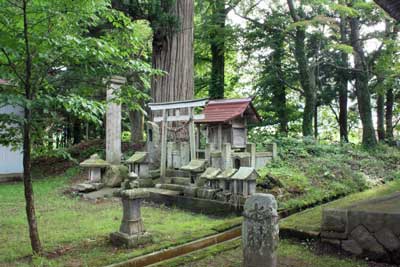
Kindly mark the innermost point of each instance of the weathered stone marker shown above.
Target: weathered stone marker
(131, 232)
(113, 122)
(260, 231)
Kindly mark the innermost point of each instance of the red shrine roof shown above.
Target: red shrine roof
(224, 110)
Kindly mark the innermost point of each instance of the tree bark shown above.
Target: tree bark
(137, 127)
(279, 88)
(77, 131)
(361, 85)
(316, 122)
(28, 189)
(173, 53)
(217, 45)
(342, 81)
(380, 111)
(306, 74)
(389, 114)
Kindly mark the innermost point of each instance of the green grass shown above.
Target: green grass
(310, 220)
(289, 254)
(75, 232)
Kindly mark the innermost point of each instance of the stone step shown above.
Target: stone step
(180, 180)
(174, 187)
(177, 173)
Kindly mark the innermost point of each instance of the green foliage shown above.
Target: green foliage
(126, 136)
(212, 27)
(309, 172)
(82, 108)
(74, 47)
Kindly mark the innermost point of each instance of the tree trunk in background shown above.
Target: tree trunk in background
(279, 89)
(217, 43)
(306, 73)
(28, 189)
(307, 81)
(77, 132)
(342, 81)
(380, 112)
(137, 126)
(316, 122)
(389, 114)
(361, 85)
(174, 54)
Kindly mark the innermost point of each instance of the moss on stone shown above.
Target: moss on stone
(310, 220)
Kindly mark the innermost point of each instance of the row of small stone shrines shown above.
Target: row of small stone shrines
(260, 231)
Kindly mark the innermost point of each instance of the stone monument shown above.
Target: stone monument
(113, 121)
(131, 232)
(116, 173)
(260, 231)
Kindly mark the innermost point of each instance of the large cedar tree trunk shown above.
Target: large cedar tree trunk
(173, 53)
(361, 85)
(28, 189)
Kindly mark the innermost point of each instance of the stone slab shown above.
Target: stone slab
(101, 194)
(87, 187)
(368, 228)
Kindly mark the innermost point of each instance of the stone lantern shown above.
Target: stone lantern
(132, 232)
(138, 165)
(96, 167)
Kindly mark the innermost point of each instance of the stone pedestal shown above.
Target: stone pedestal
(260, 231)
(113, 122)
(131, 232)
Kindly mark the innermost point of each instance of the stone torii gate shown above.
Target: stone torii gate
(174, 107)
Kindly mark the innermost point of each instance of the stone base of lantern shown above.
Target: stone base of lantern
(130, 241)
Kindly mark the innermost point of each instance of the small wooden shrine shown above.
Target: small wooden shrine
(226, 122)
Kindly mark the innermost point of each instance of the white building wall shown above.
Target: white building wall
(10, 160)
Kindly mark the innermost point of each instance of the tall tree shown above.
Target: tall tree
(217, 47)
(361, 75)
(342, 78)
(217, 37)
(29, 199)
(306, 71)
